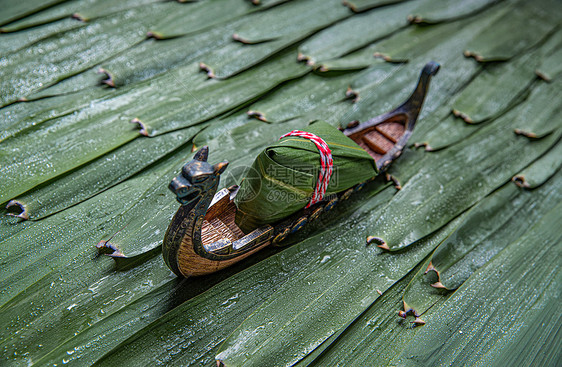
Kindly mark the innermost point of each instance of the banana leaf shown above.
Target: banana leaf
(283, 177)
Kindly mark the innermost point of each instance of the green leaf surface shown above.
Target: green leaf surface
(84, 10)
(71, 52)
(346, 274)
(98, 9)
(489, 228)
(12, 42)
(384, 87)
(21, 9)
(419, 296)
(301, 95)
(23, 157)
(377, 337)
(471, 326)
(26, 71)
(502, 84)
(225, 95)
(303, 17)
(537, 119)
(197, 16)
(448, 10)
(357, 60)
(446, 130)
(415, 40)
(100, 174)
(550, 68)
(525, 26)
(538, 172)
(154, 57)
(70, 239)
(24, 117)
(378, 326)
(88, 79)
(341, 38)
(186, 330)
(147, 218)
(235, 57)
(359, 6)
(387, 91)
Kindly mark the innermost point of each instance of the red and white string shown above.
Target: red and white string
(326, 164)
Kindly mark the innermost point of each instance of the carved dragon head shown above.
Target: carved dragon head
(197, 177)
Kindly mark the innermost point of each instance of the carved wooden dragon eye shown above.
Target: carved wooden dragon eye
(199, 178)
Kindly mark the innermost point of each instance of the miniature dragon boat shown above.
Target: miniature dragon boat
(210, 230)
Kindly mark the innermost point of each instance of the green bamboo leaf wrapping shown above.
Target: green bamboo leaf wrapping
(64, 304)
(286, 174)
